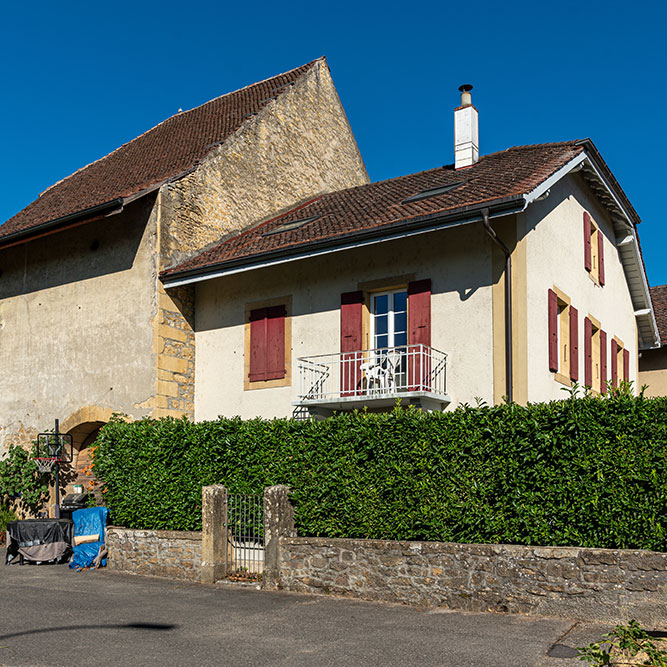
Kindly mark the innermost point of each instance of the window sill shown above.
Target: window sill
(594, 278)
(267, 384)
(563, 379)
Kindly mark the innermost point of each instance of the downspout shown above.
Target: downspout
(508, 304)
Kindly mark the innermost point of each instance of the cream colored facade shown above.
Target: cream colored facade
(458, 262)
(86, 328)
(467, 305)
(554, 239)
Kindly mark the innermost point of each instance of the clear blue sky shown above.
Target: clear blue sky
(79, 79)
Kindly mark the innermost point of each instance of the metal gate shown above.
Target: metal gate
(244, 556)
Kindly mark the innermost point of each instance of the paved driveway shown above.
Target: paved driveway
(52, 616)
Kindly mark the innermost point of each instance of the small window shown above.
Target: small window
(267, 357)
(433, 192)
(620, 362)
(594, 250)
(593, 372)
(563, 337)
(288, 226)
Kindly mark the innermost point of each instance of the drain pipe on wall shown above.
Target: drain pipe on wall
(508, 303)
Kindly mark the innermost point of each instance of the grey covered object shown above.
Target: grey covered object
(39, 540)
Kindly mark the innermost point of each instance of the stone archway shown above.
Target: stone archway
(83, 436)
(84, 426)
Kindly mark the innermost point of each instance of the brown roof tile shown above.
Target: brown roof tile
(659, 299)
(379, 206)
(165, 151)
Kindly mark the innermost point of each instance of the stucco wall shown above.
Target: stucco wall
(67, 334)
(298, 146)
(653, 372)
(457, 261)
(555, 256)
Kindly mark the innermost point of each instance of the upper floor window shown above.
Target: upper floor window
(593, 250)
(389, 319)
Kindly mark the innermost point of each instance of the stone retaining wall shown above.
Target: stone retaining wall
(602, 584)
(160, 553)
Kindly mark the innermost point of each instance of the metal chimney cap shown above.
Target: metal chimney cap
(465, 88)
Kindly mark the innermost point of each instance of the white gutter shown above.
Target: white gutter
(188, 280)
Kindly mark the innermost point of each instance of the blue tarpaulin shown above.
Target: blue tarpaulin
(89, 521)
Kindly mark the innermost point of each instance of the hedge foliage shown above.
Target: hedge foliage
(585, 471)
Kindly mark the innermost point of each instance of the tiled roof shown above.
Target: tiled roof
(381, 206)
(165, 151)
(659, 299)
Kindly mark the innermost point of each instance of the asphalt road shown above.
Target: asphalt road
(52, 616)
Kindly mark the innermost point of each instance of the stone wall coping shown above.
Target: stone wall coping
(160, 534)
(480, 548)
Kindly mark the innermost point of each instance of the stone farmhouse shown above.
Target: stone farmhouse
(235, 260)
(86, 327)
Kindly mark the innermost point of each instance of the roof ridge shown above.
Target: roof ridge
(306, 66)
(572, 142)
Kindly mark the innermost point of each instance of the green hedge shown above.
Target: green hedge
(585, 471)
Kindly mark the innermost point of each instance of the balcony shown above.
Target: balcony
(376, 379)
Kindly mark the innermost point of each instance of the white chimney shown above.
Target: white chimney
(466, 131)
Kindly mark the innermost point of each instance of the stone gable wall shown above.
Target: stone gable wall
(300, 145)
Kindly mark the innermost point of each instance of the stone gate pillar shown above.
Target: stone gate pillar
(214, 534)
(278, 522)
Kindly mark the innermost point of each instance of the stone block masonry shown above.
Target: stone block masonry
(175, 349)
(160, 553)
(607, 585)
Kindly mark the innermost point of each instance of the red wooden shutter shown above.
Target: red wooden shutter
(275, 342)
(419, 335)
(574, 344)
(587, 242)
(603, 362)
(351, 332)
(419, 312)
(588, 353)
(553, 331)
(257, 370)
(267, 343)
(626, 365)
(614, 363)
(600, 257)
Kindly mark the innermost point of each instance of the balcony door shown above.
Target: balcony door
(389, 338)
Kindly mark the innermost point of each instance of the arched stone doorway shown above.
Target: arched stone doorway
(84, 426)
(83, 436)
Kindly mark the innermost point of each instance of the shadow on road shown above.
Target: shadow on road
(113, 626)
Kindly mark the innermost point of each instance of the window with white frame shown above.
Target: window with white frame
(389, 319)
(389, 329)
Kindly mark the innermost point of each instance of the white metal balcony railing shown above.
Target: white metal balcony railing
(376, 373)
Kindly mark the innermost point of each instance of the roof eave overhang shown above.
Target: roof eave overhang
(625, 220)
(399, 230)
(59, 224)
